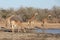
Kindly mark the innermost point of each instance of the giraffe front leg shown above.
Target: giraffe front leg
(18, 29)
(13, 28)
(43, 31)
(24, 30)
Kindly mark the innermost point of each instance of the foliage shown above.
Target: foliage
(26, 13)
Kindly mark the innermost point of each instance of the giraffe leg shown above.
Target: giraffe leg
(18, 29)
(43, 31)
(13, 28)
(24, 30)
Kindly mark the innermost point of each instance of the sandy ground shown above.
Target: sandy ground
(28, 36)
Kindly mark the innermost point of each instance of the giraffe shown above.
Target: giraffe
(8, 22)
(44, 21)
(13, 22)
(31, 19)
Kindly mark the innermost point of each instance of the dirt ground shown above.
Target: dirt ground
(28, 36)
(32, 36)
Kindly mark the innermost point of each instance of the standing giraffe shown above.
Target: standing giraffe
(14, 22)
(31, 19)
(8, 22)
(44, 21)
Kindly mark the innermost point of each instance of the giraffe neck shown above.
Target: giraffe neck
(32, 18)
(9, 21)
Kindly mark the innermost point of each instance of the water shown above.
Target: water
(54, 31)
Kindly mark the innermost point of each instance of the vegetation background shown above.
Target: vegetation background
(27, 12)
